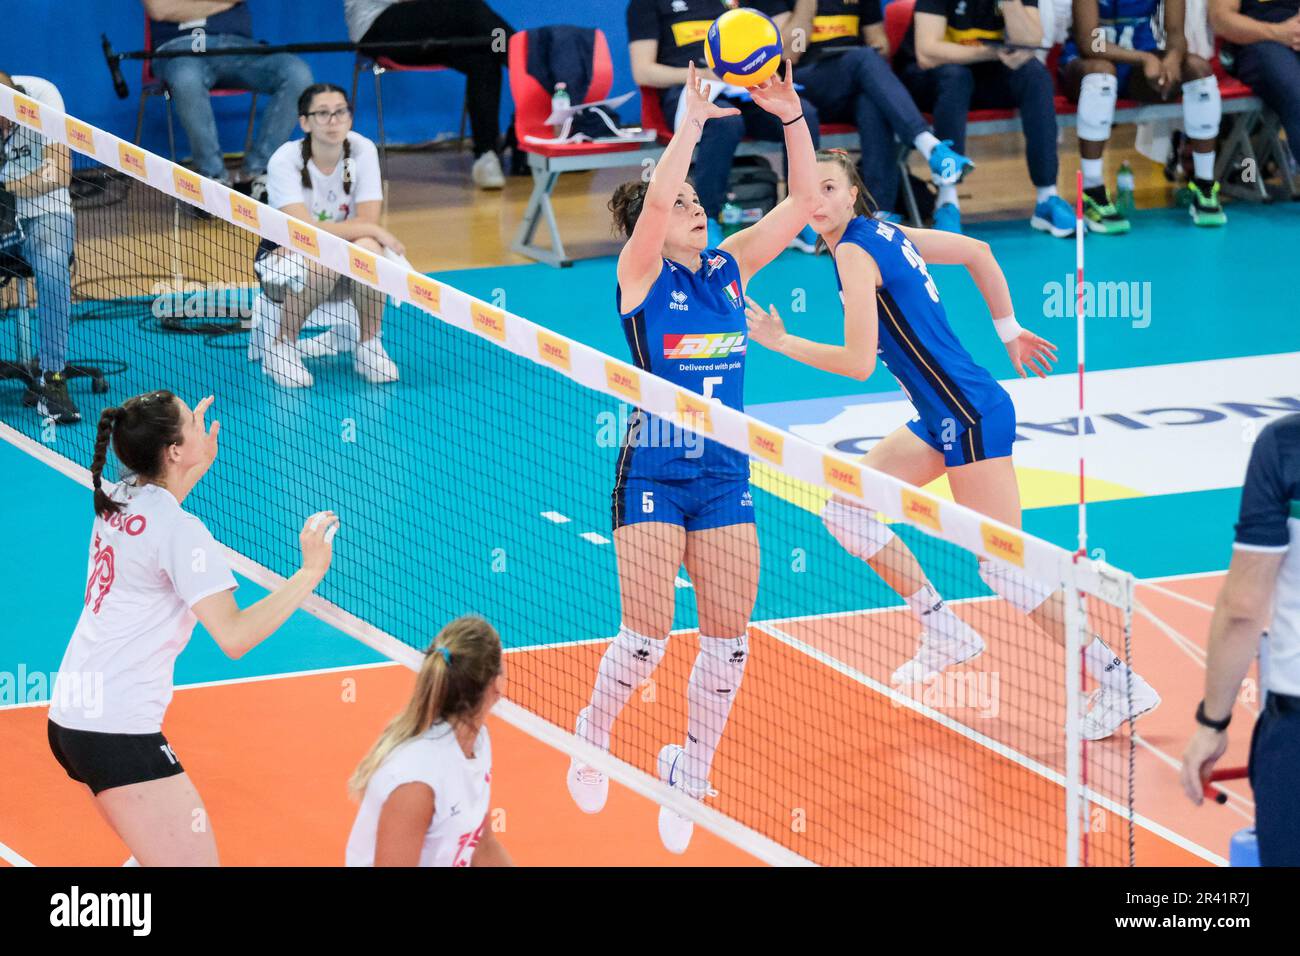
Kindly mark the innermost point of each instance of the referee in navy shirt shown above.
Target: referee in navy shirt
(1263, 578)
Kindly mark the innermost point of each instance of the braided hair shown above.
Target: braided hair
(140, 430)
(304, 108)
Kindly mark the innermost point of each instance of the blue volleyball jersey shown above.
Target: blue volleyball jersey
(916, 343)
(691, 330)
(1128, 23)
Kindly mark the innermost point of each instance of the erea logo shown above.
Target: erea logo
(704, 345)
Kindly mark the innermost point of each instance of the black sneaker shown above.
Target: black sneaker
(55, 402)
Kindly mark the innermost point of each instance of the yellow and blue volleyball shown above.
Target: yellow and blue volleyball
(743, 47)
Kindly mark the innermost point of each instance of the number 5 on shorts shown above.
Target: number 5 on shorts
(647, 502)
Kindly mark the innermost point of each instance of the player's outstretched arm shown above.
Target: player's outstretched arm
(762, 242)
(856, 358)
(642, 256)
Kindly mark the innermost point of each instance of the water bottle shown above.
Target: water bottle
(731, 216)
(1124, 190)
(559, 101)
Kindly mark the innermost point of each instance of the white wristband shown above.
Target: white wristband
(1008, 329)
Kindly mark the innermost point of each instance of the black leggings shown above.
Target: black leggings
(424, 19)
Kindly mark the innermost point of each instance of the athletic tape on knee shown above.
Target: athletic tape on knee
(1202, 108)
(723, 660)
(1015, 587)
(1096, 111)
(856, 529)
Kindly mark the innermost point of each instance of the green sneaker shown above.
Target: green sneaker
(1101, 215)
(1206, 209)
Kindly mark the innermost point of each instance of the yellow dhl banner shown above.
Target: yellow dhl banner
(835, 28)
(691, 31)
(972, 36)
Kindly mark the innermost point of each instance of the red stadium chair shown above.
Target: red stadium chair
(549, 160)
(378, 66)
(151, 85)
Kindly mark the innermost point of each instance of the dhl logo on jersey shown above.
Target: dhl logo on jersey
(704, 345)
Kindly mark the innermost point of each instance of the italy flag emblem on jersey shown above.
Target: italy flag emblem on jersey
(733, 293)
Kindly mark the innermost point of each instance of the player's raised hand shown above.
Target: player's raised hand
(777, 95)
(1030, 351)
(765, 328)
(317, 541)
(698, 106)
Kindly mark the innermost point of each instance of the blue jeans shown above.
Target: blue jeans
(1273, 72)
(718, 143)
(858, 87)
(282, 75)
(47, 247)
(952, 90)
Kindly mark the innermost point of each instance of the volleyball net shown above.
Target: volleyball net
(481, 480)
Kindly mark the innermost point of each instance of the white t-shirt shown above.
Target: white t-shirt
(461, 791)
(148, 565)
(326, 199)
(24, 153)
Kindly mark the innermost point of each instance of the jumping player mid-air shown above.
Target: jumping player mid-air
(684, 498)
(965, 421)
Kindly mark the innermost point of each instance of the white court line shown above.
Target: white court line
(13, 857)
(1201, 605)
(999, 748)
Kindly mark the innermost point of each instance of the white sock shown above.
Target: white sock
(926, 142)
(933, 614)
(1045, 193)
(1203, 165)
(710, 693)
(947, 195)
(629, 661)
(1092, 174)
(1104, 667)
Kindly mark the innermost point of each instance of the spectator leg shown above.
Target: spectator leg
(1273, 72)
(190, 79)
(283, 77)
(1033, 93)
(48, 247)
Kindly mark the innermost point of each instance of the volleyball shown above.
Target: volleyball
(743, 47)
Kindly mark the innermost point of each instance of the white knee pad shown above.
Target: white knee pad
(632, 657)
(856, 529)
(1202, 108)
(1096, 111)
(1015, 587)
(721, 664)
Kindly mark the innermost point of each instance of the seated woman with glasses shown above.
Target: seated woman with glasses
(331, 179)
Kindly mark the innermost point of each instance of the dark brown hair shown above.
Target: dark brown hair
(865, 204)
(304, 108)
(141, 430)
(625, 205)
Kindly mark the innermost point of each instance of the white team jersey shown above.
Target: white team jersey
(148, 566)
(461, 789)
(325, 199)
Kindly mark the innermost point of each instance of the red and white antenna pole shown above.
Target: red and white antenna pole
(1079, 328)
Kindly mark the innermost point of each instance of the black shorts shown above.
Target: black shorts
(104, 761)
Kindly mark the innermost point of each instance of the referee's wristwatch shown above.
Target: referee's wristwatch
(1204, 721)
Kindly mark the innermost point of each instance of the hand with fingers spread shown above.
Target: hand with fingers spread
(765, 328)
(317, 542)
(699, 109)
(777, 95)
(1032, 351)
